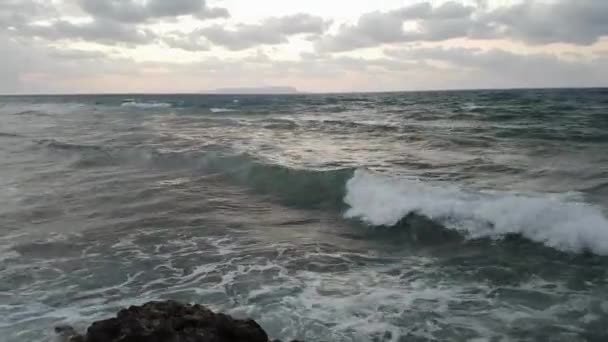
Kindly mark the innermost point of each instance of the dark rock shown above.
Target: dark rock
(66, 333)
(169, 322)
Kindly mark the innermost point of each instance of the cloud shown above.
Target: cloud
(535, 22)
(449, 20)
(76, 55)
(192, 41)
(137, 11)
(99, 31)
(580, 22)
(500, 68)
(271, 31)
(37, 55)
(32, 66)
(42, 19)
(12, 64)
(14, 13)
(39, 68)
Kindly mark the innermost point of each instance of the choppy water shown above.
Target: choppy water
(435, 216)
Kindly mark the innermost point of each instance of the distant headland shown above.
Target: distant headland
(254, 90)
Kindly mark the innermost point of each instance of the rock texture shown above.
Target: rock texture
(168, 321)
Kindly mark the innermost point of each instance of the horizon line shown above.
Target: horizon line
(298, 92)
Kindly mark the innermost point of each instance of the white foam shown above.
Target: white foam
(221, 110)
(146, 105)
(556, 220)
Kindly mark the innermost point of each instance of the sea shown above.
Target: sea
(416, 216)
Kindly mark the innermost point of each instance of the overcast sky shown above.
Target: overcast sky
(88, 46)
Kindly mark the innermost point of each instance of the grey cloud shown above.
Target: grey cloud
(579, 22)
(78, 55)
(133, 11)
(52, 66)
(12, 65)
(212, 13)
(452, 10)
(415, 11)
(271, 31)
(99, 31)
(499, 68)
(446, 21)
(18, 18)
(192, 41)
(67, 70)
(15, 13)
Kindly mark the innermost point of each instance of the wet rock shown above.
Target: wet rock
(169, 321)
(66, 333)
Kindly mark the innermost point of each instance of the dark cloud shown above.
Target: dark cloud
(99, 31)
(137, 11)
(580, 22)
(271, 31)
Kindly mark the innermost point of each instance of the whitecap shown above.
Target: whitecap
(145, 105)
(557, 220)
(221, 110)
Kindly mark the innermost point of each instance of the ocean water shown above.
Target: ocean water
(429, 216)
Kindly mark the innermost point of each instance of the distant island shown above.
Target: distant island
(254, 90)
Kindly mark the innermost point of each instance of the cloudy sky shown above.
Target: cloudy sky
(86, 46)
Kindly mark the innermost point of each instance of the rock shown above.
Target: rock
(66, 333)
(169, 321)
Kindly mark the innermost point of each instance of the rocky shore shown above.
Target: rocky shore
(167, 321)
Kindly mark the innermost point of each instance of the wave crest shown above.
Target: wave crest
(300, 187)
(146, 105)
(430, 212)
(221, 110)
(557, 221)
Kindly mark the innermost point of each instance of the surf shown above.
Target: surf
(564, 221)
(561, 221)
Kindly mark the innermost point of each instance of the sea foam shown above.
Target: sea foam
(559, 221)
(221, 110)
(146, 105)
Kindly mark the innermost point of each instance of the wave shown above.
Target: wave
(279, 124)
(9, 135)
(360, 127)
(47, 109)
(58, 145)
(221, 110)
(31, 113)
(298, 187)
(88, 156)
(146, 105)
(447, 212)
(558, 221)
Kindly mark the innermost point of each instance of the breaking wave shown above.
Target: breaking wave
(561, 221)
